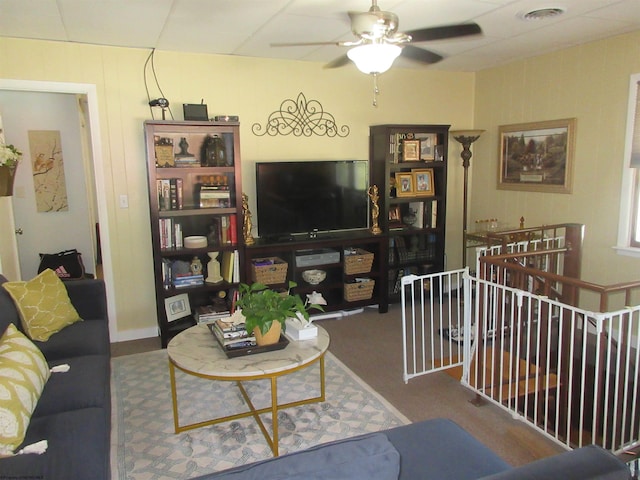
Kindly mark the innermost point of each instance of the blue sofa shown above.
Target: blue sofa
(431, 450)
(74, 411)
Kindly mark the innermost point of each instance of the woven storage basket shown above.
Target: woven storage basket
(274, 272)
(359, 262)
(358, 291)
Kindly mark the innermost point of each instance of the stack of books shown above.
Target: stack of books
(213, 196)
(210, 313)
(183, 281)
(170, 193)
(231, 335)
(186, 161)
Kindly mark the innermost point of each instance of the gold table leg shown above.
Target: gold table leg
(272, 439)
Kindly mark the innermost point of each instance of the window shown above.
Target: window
(635, 220)
(629, 224)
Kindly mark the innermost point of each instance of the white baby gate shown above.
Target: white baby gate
(570, 373)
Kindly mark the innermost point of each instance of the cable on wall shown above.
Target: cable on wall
(161, 102)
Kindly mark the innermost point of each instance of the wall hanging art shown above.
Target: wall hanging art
(537, 156)
(48, 171)
(300, 117)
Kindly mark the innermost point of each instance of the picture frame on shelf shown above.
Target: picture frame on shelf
(411, 150)
(537, 156)
(163, 147)
(177, 307)
(428, 143)
(423, 182)
(404, 184)
(395, 216)
(438, 153)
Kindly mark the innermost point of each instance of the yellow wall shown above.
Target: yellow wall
(590, 83)
(248, 87)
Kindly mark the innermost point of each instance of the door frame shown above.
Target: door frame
(98, 171)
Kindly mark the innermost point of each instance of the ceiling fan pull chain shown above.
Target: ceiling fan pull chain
(376, 91)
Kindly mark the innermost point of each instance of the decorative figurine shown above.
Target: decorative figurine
(247, 225)
(375, 210)
(213, 152)
(195, 266)
(184, 147)
(317, 298)
(213, 268)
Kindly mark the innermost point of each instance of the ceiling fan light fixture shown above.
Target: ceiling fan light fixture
(374, 57)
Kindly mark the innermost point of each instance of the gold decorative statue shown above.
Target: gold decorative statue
(247, 226)
(375, 210)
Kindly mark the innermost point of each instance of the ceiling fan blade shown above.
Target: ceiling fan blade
(420, 54)
(341, 61)
(447, 31)
(305, 44)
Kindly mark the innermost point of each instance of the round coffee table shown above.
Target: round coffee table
(196, 352)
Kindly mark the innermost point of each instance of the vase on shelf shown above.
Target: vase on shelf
(7, 176)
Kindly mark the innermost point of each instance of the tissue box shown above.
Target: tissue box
(297, 331)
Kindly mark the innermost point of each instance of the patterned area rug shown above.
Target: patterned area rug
(144, 447)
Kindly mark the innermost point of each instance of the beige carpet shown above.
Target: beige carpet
(145, 447)
(370, 344)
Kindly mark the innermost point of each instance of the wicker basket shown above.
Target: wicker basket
(358, 291)
(269, 270)
(359, 262)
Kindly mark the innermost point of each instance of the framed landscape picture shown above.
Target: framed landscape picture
(537, 156)
(177, 307)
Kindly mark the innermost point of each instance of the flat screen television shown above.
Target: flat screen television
(300, 197)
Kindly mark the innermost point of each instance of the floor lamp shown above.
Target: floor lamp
(465, 138)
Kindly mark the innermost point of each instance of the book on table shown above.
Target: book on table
(210, 313)
(234, 339)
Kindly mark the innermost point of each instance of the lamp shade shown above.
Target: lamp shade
(463, 136)
(374, 57)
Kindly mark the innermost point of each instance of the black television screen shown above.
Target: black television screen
(303, 196)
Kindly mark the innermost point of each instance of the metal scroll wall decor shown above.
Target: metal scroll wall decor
(300, 117)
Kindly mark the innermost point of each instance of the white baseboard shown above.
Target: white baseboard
(336, 314)
(137, 334)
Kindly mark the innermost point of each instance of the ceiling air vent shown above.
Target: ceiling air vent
(542, 13)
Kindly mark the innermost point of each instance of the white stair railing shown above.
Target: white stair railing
(571, 373)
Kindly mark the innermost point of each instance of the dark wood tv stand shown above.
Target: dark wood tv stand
(333, 287)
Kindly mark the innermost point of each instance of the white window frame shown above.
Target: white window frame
(630, 178)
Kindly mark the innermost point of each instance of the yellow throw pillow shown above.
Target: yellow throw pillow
(23, 374)
(43, 304)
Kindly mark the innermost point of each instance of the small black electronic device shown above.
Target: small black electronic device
(226, 118)
(195, 111)
(159, 102)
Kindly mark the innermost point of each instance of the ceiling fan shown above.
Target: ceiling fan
(378, 42)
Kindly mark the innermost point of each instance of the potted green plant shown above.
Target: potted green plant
(266, 310)
(9, 159)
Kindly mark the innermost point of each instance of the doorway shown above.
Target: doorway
(94, 171)
(45, 226)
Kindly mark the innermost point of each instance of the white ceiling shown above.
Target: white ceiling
(247, 27)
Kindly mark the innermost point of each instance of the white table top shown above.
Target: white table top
(195, 350)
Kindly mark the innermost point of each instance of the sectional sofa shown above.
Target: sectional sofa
(73, 413)
(431, 450)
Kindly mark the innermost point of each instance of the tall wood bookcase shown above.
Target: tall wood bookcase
(408, 163)
(195, 190)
